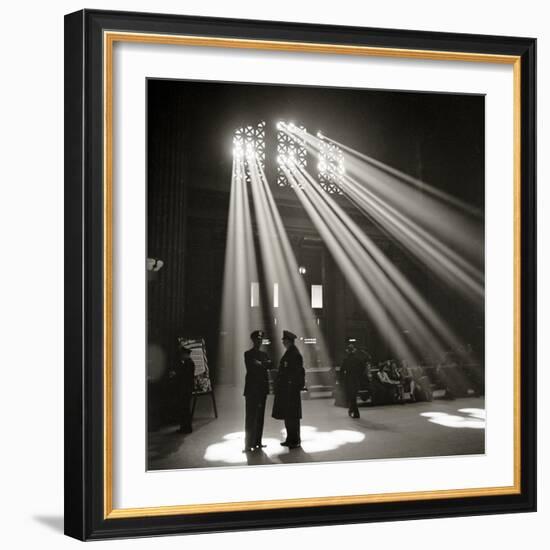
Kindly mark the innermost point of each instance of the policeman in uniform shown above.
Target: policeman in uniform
(184, 377)
(256, 388)
(290, 381)
(352, 370)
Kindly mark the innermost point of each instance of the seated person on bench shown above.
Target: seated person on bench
(394, 387)
(407, 379)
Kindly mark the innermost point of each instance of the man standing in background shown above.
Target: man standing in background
(184, 375)
(352, 371)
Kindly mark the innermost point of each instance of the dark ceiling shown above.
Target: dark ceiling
(436, 137)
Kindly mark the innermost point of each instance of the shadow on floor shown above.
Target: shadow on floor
(55, 523)
(373, 426)
(161, 446)
(294, 456)
(258, 458)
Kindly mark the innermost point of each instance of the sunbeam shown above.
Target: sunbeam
(342, 246)
(440, 231)
(401, 301)
(238, 319)
(323, 263)
(281, 268)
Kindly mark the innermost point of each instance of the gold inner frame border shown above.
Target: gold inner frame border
(112, 37)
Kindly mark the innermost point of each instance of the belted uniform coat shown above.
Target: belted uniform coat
(288, 385)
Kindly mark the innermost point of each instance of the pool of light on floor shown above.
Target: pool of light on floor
(230, 449)
(469, 418)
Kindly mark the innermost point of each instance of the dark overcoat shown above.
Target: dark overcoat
(290, 381)
(256, 383)
(185, 377)
(353, 367)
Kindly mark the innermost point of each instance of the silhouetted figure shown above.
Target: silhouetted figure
(352, 370)
(184, 378)
(290, 381)
(256, 388)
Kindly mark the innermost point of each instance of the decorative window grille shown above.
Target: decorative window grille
(291, 151)
(331, 167)
(249, 145)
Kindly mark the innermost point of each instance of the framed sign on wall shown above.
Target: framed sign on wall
(300, 274)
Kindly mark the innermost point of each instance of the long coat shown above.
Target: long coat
(288, 385)
(185, 377)
(352, 371)
(256, 382)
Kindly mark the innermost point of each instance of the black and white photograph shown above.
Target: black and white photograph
(274, 272)
(315, 274)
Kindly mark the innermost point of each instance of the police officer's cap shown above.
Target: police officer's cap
(287, 335)
(256, 334)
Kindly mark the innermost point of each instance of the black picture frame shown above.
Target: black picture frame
(85, 493)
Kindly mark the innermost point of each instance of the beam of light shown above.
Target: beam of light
(455, 223)
(413, 182)
(340, 244)
(400, 179)
(330, 168)
(440, 258)
(431, 333)
(240, 271)
(474, 419)
(451, 268)
(281, 268)
(249, 139)
(438, 230)
(289, 147)
(229, 449)
(401, 300)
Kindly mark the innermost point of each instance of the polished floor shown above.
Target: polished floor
(438, 428)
